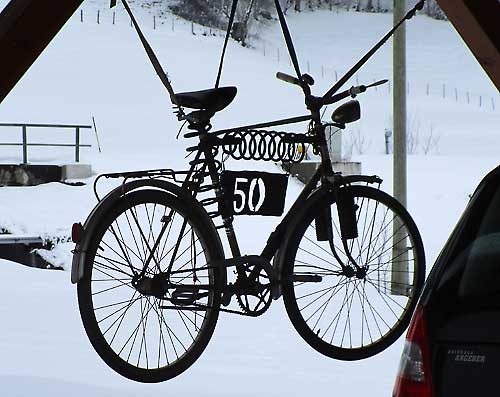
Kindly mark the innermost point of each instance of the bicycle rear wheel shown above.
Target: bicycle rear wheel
(352, 315)
(140, 336)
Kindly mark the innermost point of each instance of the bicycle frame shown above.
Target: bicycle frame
(323, 173)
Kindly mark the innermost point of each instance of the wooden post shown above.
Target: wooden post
(77, 145)
(114, 17)
(81, 16)
(25, 146)
(98, 16)
(154, 22)
(399, 274)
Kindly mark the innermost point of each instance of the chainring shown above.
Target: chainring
(254, 296)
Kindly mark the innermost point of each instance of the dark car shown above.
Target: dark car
(453, 343)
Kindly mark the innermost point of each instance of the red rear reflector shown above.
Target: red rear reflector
(414, 375)
(76, 232)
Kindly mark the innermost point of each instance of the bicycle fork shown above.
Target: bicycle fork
(346, 210)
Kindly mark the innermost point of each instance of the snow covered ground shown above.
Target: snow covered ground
(101, 70)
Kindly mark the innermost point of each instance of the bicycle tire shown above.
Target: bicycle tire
(177, 337)
(372, 311)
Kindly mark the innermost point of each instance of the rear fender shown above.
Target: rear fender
(116, 194)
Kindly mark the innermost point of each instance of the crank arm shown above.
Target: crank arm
(306, 278)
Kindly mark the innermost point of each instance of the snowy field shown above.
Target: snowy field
(101, 71)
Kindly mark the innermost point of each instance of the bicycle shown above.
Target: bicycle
(151, 269)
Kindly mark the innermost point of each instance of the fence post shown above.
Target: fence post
(154, 22)
(114, 17)
(98, 17)
(77, 145)
(25, 146)
(81, 16)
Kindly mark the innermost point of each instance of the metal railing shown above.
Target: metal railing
(24, 129)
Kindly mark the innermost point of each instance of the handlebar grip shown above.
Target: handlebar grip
(287, 78)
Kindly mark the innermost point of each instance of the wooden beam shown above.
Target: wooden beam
(478, 22)
(26, 28)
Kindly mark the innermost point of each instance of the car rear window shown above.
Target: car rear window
(472, 275)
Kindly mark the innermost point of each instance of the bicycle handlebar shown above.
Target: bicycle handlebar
(352, 92)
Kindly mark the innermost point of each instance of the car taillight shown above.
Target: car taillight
(414, 375)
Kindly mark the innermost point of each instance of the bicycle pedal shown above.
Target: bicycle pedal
(226, 299)
(227, 295)
(182, 296)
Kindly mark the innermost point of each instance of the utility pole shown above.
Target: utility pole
(399, 103)
(399, 276)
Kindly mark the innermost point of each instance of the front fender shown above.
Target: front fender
(116, 194)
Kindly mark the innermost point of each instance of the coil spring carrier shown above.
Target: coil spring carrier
(268, 146)
(259, 145)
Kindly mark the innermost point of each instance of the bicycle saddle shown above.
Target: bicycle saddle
(213, 100)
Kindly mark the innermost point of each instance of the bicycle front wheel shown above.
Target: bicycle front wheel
(356, 312)
(141, 336)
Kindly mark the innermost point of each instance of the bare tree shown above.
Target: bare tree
(430, 142)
